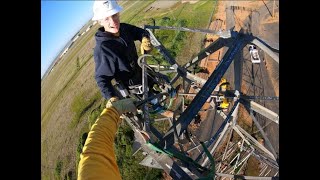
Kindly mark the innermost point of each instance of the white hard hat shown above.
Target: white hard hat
(102, 9)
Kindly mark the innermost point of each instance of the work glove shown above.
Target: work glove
(146, 45)
(224, 104)
(125, 105)
(110, 101)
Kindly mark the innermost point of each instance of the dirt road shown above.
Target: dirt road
(251, 17)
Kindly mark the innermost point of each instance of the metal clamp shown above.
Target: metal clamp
(136, 89)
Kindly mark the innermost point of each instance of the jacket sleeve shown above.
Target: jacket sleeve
(105, 71)
(137, 33)
(104, 83)
(97, 160)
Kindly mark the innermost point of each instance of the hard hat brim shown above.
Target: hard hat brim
(107, 14)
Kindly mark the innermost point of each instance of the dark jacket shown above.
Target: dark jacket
(116, 57)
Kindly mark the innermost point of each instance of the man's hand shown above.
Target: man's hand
(110, 101)
(146, 45)
(125, 105)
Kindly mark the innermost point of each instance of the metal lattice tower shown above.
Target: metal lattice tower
(235, 148)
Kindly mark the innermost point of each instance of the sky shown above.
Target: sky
(60, 20)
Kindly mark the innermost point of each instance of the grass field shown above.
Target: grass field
(70, 98)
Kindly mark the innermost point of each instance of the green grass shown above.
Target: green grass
(45, 177)
(94, 113)
(64, 73)
(79, 44)
(81, 143)
(92, 117)
(129, 165)
(58, 168)
(181, 15)
(80, 106)
(74, 75)
(162, 126)
(135, 11)
(70, 175)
